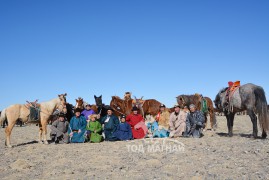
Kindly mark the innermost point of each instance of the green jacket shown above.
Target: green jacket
(97, 127)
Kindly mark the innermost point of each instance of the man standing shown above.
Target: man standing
(194, 123)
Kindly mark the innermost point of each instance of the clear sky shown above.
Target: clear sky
(153, 48)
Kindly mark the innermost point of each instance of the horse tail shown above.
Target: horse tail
(3, 116)
(261, 108)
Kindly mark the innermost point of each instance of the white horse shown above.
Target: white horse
(20, 111)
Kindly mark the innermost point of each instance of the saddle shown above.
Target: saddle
(34, 109)
(233, 97)
(235, 86)
(32, 104)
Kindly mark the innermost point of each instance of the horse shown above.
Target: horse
(186, 100)
(81, 104)
(121, 106)
(102, 108)
(248, 97)
(20, 111)
(149, 106)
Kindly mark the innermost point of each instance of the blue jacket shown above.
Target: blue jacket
(123, 132)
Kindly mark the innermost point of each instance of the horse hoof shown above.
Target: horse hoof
(9, 146)
(40, 142)
(46, 142)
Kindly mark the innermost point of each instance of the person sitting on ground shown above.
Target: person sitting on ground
(59, 130)
(195, 122)
(137, 123)
(177, 123)
(124, 131)
(163, 118)
(94, 129)
(110, 122)
(77, 127)
(87, 112)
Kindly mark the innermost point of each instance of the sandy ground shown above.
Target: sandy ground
(215, 156)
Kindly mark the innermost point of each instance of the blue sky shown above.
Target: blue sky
(152, 48)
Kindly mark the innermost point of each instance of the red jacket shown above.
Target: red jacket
(133, 120)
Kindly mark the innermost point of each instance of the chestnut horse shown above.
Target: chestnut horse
(186, 100)
(120, 106)
(20, 111)
(149, 106)
(80, 103)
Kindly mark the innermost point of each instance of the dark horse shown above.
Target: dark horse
(186, 100)
(248, 97)
(102, 108)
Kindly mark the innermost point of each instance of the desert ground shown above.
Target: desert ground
(214, 156)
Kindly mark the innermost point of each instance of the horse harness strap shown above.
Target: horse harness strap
(117, 111)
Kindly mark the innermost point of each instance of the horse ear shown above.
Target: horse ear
(65, 94)
(101, 96)
(76, 100)
(142, 97)
(95, 97)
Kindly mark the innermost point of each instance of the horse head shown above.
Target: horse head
(181, 101)
(117, 104)
(62, 104)
(79, 103)
(98, 101)
(219, 99)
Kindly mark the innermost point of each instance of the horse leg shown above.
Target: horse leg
(230, 121)
(40, 134)
(44, 129)
(8, 132)
(205, 121)
(212, 120)
(253, 118)
(264, 135)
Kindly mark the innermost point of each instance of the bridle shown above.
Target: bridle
(116, 109)
(61, 106)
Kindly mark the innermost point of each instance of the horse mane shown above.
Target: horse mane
(189, 98)
(223, 90)
(116, 97)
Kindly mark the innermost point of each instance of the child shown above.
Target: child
(124, 131)
(94, 129)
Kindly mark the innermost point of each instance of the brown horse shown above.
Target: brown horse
(149, 106)
(120, 106)
(20, 111)
(186, 100)
(80, 103)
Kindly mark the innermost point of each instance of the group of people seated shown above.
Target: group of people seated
(86, 126)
